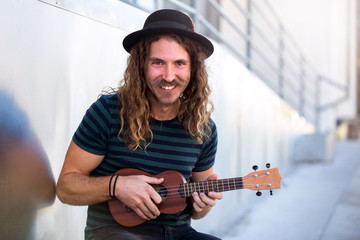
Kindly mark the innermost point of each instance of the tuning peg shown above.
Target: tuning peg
(255, 167)
(268, 165)
(258, 193)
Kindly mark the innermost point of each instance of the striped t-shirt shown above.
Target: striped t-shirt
(172, 148)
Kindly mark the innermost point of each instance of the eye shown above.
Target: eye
(180, 63)
(157, 62)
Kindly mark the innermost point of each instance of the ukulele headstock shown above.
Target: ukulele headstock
(263, 180)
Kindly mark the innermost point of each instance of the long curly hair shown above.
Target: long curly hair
(195, 104)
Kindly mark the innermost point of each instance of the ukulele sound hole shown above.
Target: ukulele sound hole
(162, 191)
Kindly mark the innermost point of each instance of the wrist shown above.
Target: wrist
(112, 185)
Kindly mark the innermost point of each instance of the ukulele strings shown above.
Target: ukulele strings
(202, 186)
(172, 191)
(237, 181)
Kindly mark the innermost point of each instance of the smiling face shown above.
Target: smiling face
(167, 73)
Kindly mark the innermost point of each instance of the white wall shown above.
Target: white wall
(255, 127)
(55, 63)
(326, 31)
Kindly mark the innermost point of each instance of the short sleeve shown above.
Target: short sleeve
(208, 151)
(93, 132)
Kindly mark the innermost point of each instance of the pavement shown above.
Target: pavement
(318, 201)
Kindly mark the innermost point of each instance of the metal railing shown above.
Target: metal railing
(254, 33)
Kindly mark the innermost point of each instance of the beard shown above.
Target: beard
(158, 99)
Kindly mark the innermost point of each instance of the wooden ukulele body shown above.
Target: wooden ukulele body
(172, 202)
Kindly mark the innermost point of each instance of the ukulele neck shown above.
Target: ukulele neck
(222, 185)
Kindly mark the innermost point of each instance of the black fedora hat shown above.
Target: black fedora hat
(168, 21)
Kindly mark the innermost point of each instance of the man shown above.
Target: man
(157, 120)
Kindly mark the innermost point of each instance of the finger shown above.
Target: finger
(148, 206)
(153, 180)
(198, 201)
(207, 201)
(155, 196)
(144, 207)
(196, 207)
(212, 177)
(146, 212)
(152, 210)
(195, 204)
(215, 195)
(140, 213)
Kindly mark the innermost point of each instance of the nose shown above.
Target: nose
(169, 74)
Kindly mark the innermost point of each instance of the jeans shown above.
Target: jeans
(151, 232)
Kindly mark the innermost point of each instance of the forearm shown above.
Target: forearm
(78, 189)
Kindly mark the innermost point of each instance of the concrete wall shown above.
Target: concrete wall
(326, 31)
(255, 127)
(55, 63)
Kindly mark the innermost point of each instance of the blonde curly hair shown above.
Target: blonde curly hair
(195, 107)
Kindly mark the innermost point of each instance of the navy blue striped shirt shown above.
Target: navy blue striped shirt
(172, 148)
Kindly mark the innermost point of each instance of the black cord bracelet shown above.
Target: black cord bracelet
(112, 196)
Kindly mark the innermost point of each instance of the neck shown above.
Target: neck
(164, 113)
(221, 185)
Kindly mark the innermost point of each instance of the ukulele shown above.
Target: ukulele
(174, 190)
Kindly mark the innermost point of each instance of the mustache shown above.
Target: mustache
(163, 83)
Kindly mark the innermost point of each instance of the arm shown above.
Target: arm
(75, 185)
(203, 203)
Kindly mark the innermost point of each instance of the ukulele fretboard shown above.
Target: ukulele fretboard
(222, 185)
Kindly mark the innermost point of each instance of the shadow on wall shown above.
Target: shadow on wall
(26, 180)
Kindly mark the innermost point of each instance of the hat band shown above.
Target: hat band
(167, 24)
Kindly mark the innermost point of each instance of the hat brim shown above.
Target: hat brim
(133, 38)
